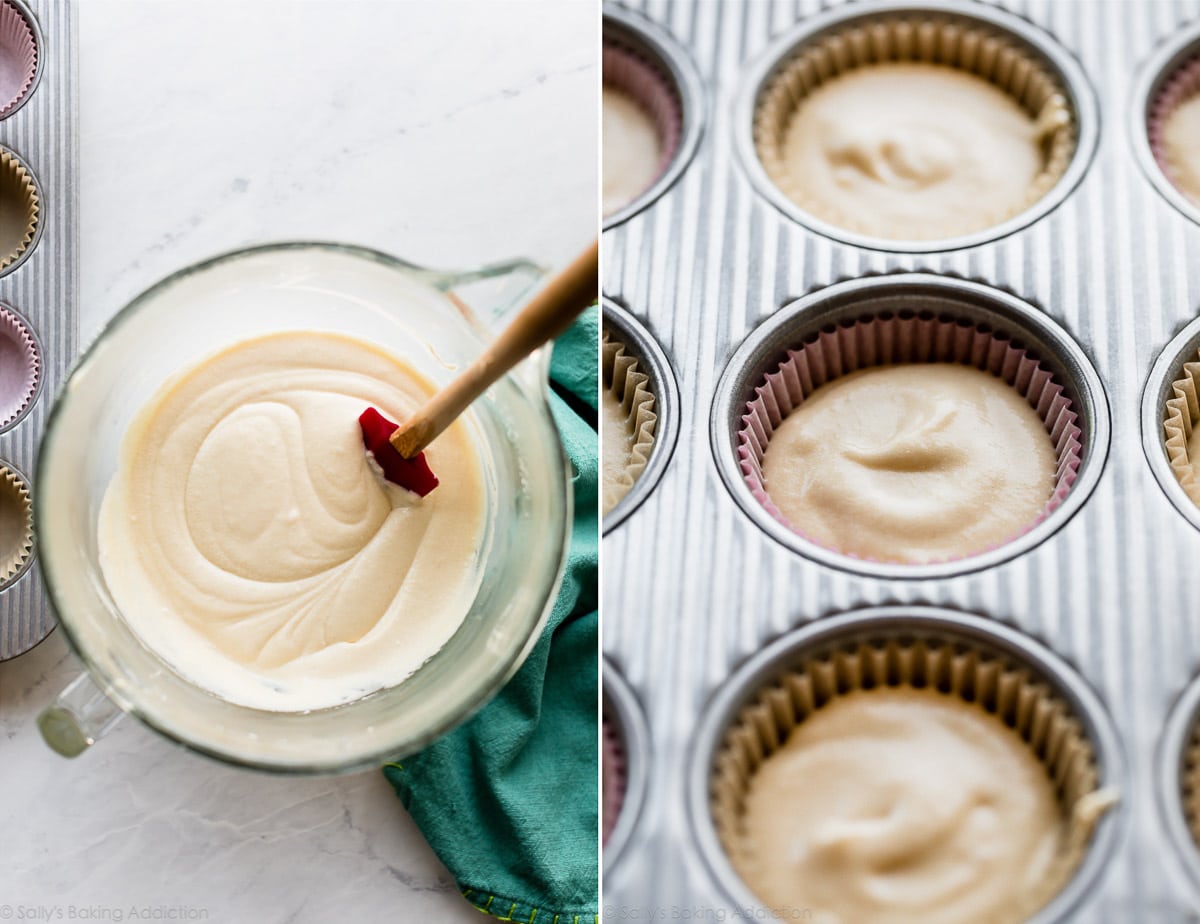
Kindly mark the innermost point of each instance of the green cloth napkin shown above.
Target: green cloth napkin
(509, 800)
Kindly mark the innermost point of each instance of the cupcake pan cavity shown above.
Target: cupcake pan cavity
(20, 56)
(20, 211)
(634, 368)
(1168, 77)
(1170, 412)
(1006, 50)
(644, 61)
(1010, 675)
(39, 273)
(20, 368)
(1178, 780)
(16, 525)
(695, 587)
(912, 317)
(626, 764)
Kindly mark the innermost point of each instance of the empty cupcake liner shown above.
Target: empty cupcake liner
(645, 82)
(19, 209)
(16, 524)
(877, 340)
(613, 776)
(974, 47)
(1180, 417)
(633, 389)
(921, 661)
(18, 58)
(20, 367)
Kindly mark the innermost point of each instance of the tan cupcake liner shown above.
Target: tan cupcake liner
(19, 209)
(1026, 704)
(632, 388)
(894, 339)
(1180, 417)
(931, 39)
(16, 524)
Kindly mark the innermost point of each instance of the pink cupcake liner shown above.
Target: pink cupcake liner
(613, 779)
(18, 58)
(1182, 85)
(653, 90)
(888, 339)
(20, 367)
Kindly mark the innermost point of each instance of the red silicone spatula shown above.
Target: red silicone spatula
(398, 447)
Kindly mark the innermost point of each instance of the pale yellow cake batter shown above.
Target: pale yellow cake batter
(1181, 137)
(631, 147)
(249, 542)
(616, 446)
(912, 151)
(901, 807)
(913, 463)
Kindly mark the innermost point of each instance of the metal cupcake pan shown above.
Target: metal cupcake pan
(1036, 42)
(651, 360)
(660, 48)
(917, 293)
(874, 626)
(1098, 280)
(41, 286)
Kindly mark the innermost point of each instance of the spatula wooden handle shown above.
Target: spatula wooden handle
(550, 313)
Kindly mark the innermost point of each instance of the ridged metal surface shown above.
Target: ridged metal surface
(692, 587)
(44, 132)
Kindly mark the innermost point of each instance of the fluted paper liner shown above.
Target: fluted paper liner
(644, 81)
(1180, 416)
(976, 48)
(20, 367)
(613, 776)
(633, 388)
(876, 340)
(19, 209)
(961, 668)
(1181, 86)
(18, 58)
(16, 523)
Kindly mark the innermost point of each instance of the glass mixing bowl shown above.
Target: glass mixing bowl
(307, 286)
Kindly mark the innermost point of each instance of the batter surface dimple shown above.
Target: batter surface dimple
(911, 463)
(912, 151)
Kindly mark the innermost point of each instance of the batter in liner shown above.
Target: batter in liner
(248, 541)
(901, 806)
(616, 447)
(1181, 140)
(914, 463)
(912, 151)
(632, 149)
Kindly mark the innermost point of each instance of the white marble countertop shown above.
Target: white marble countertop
(450, 134)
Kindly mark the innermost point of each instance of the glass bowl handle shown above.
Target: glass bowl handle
(78, 718)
